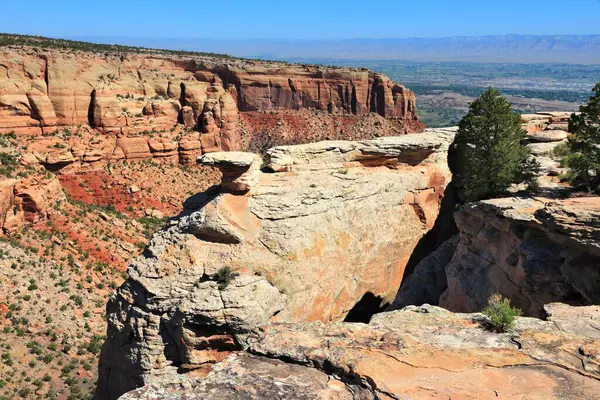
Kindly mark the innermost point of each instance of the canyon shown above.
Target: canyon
(98, 149)
(534, 250)
(197, 226)
(274, 325)
(74, 111)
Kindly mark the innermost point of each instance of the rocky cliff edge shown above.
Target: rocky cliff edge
(416, 353)
(329, 233)
(532, 250)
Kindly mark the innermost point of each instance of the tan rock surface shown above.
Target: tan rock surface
(551, 135)
(240, 170)
(416, 353)
(308, 244)
(35, 196)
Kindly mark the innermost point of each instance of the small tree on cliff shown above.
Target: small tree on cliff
(585, 142)
(489, 153)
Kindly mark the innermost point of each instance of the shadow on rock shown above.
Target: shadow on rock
(365, 308)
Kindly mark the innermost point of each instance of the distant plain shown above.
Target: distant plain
(444, 89)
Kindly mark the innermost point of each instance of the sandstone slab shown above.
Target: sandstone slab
(418, 353)
(553, 135)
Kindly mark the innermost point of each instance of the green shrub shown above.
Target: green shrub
(224, 277)
(95, 344)
(561, 151)
(490, 155)
(500, 313)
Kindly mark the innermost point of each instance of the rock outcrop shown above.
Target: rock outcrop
(27, 200)
(532, 251)
(330, 230)
(137, 97)
(546, 122)
(418, 353)
(546, 131)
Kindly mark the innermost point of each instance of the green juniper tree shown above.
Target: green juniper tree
(584, 142)
(489, 153)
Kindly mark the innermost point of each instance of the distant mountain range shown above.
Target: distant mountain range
(584, 49)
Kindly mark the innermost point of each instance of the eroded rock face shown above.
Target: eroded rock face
(532, 251)
(27, 200)
(134, 95)
(418, 353)
(240, 170)
(244, 376)
(550, 135)
(335, 226)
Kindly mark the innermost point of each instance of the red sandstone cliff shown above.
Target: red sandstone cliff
(167, 105)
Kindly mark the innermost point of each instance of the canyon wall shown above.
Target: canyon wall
(163, 105)
(324, 235)
(531, 250)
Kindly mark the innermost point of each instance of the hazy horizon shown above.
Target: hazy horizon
(510, 48)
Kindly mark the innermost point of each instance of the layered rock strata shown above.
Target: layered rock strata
(546, 131)
(417, 353)
(332, 228)
(532, 251)
(149, 101)
(548, 122)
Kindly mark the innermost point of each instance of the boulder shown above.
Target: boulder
(190, 148)
(240, 171)
(163, 147)
(35, 196)
(544, 149)
(134, 147)
(187, 117)
(210, 142)
(167, 108)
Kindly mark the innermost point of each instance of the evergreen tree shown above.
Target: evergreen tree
(489, 153)
(584, 142)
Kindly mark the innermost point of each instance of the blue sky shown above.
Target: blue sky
(306, 19)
